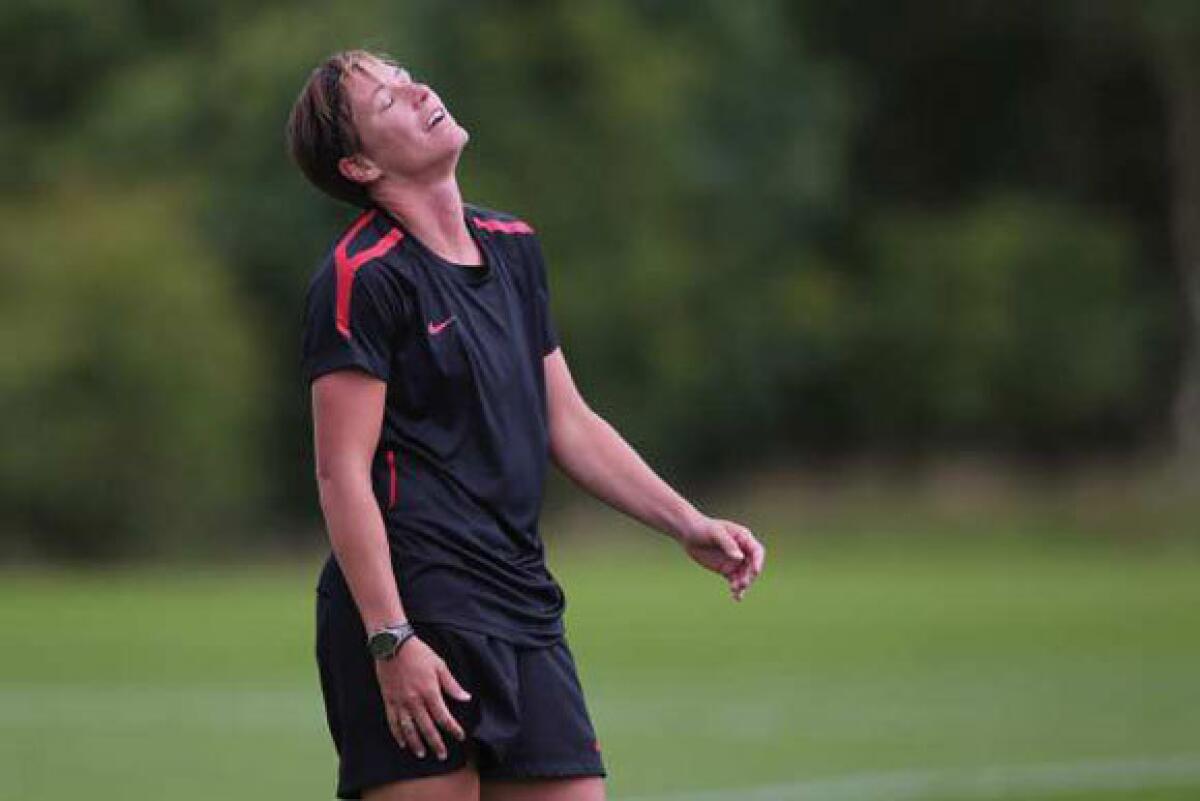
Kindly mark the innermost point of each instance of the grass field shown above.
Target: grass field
(869, 670)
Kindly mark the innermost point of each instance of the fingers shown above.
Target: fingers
(737, 583)
(756, 554)
(405, 730)
(729, 546)
(429, 731)
(748, 570)
(414, 722)
(393, 721)
(438, 706)
(451, 685)
(444, 719)
(760, 556)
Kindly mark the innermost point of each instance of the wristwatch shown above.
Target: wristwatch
(385, 642)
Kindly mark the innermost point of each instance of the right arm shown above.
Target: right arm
(347, 415)
(347, 350)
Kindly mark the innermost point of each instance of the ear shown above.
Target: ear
(358, 168)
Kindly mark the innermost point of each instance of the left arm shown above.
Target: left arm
(593, 455)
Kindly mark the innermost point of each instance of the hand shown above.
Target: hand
(411, 682)
(727, 548)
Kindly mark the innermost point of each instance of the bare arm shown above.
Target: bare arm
(347, 416)
(593, 455)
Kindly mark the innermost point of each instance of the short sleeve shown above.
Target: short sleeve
(354, 326)
(547, 329)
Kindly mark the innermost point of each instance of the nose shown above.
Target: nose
(419, 93)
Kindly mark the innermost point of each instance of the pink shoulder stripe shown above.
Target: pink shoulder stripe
(504, 226)
(347, 265)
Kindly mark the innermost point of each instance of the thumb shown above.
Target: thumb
(451, 685)
(729, 546)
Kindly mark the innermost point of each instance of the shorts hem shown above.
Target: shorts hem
(354, 790)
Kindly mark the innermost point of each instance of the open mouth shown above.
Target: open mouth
(434, 118)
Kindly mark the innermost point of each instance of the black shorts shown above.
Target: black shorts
(526, 717)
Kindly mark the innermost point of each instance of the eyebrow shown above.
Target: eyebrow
(381, 85)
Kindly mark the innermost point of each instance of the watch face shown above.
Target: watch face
(383, 643)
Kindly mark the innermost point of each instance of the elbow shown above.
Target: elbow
(336, 478)
(325, 474)
(325, 487)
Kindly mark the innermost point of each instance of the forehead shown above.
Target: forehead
(364, 74)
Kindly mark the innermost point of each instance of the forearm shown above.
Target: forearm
(359, 542)
(595, 456)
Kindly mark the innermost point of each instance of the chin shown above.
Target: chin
(445, 158)
(460, 139)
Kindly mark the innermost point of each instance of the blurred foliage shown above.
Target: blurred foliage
(774, 229)
(1017, 317)
(130, 383)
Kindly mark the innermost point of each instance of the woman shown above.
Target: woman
(439, 391)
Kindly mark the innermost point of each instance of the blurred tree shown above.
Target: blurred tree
(1015, 318)
(773, 228)
(129, 383)
(1173, 34)
(964, 105)
(1166, 34)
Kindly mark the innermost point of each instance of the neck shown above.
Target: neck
(433, 213)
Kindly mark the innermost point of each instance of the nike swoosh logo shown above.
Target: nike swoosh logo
(436, 328)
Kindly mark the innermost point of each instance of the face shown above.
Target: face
(405, 130)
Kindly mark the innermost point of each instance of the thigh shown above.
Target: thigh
(584, 788)
(461, 785)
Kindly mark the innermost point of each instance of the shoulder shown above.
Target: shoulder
(363, 259)
(500, 223)
(363, 251)
(513, 235)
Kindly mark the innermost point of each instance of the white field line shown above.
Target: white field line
(995, 782)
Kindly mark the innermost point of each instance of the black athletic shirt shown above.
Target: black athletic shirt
(461, 461)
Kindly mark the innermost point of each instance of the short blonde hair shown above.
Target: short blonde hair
(320, 128)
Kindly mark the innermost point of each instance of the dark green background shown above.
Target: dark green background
(778, 233)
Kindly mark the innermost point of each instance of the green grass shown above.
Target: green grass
(868, 658)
